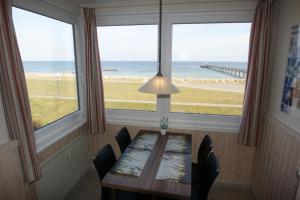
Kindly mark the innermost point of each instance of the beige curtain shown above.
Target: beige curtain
(94, 84)
(254, 107)
(14, 95)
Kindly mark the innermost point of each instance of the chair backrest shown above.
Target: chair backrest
(204, 149)
(209, 173)
(104, 160)
(123, 139)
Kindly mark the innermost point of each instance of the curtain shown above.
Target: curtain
(258, 63)
(15, 96)
(94, 84)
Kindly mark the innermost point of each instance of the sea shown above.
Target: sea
(137, 68)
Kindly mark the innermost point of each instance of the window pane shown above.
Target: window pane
(47, 51)
(128, 58)
(209, 65)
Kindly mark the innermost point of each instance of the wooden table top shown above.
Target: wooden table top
(146, 182)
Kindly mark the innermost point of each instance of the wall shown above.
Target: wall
(276, 163)
(11, 178)
(236, 160)
(278, 154)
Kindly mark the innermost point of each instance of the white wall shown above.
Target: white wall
(288, 14)
(3, 127)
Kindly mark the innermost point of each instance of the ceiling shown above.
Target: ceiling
(137, 2)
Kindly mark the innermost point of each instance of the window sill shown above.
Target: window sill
(218, 123)
(57, 130)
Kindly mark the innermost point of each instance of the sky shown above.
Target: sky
(44, 39)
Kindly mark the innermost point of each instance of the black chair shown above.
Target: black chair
(123, 139)
(104, 161)
(203, 151)
(208, 173)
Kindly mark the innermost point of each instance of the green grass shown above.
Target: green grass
(131, 106)
(46, 110)
(176, 108)
(39, 87)
(206, 110)
(125, 90)
(194, 95)
(130, 91)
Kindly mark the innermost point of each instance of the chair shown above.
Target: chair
(123, 139)
(203, 151)
(208, 173)
(104, 161)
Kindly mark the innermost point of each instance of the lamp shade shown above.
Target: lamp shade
(159, 84)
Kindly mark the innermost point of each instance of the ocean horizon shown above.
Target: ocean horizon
(180, 69)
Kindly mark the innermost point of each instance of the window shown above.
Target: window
(128, 59)
(47, 51)
(209, 63)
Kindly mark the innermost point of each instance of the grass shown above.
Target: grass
(131, 106)
(129, 91)
(45, 111)
(52, 87)
(46, 108)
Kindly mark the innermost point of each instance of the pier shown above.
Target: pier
(240, 73)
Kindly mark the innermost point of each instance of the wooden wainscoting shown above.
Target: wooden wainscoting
(236, 160)
(276, 164)
(12, 185)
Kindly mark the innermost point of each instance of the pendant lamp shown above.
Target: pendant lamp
(159, 84)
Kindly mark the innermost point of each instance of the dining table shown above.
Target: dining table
(154, 164)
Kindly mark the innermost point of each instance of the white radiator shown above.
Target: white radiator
(62, 171)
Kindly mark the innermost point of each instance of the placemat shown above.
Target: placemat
(144, 141)
(131, 162)
(178, 143)
(175, 167)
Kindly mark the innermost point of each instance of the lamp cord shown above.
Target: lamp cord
(159, 37)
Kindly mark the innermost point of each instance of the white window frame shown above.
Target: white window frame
(52, 132)
(221, 123)
(211, 122)
(123, 116)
